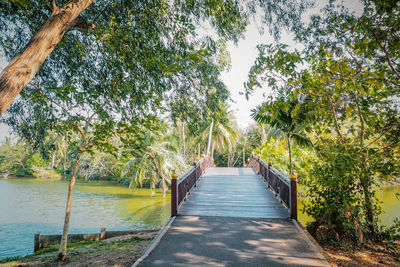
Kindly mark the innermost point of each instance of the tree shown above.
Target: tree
(153, 26)
(222, 131)
(20, 71)
(349, 70)
(13, 156)
(288, 117)
(157, 160)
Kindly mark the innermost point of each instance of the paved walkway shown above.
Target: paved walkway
(231, 219)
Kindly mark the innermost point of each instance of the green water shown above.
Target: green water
(29, 206)
(390, 205)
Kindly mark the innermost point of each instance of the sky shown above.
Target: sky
(243, 56)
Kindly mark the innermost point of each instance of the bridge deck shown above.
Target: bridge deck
(231, 219)
(233, 192)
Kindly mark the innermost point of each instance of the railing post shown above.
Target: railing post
(268, 172)
(195, 173)
(293, 197)
(174, 195)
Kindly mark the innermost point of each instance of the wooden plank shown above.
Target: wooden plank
(233, 192)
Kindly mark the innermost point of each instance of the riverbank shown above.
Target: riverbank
(377, 254)
(118, 251)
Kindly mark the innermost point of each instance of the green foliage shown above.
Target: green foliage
(22, 172)
(334, 197)
(291, 118)
(392, 232)
(13, 156)
(36, 160)
(348, 73)
(157, 159)
(276, 151)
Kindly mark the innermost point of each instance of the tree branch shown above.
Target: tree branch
(386, 54)
(80, 24)
(54, 7)
(383, 133)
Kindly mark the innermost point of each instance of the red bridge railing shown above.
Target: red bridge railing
(182, 185)
(283, 187)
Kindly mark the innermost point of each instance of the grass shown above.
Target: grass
(121, 252)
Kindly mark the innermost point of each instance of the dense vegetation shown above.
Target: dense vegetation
(340, 94)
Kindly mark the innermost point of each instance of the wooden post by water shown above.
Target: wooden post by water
(103, 233)
(293, 197)
(174, 195)
(36, 244)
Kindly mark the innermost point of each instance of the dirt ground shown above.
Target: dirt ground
(371, 255)
(117, 252)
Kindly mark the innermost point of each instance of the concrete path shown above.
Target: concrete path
(228, 241)
(231, 219)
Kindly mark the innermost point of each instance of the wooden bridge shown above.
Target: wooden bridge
(233, 217)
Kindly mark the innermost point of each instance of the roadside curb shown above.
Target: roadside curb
(312, 242)
(156, 241)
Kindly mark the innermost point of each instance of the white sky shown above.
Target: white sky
(243, 57)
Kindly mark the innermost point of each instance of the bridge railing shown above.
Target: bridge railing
(182, 185)
(282, 186)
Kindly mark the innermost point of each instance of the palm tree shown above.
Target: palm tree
(157, 161)
(290, 117)
(223, 134)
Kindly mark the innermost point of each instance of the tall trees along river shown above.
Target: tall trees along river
(29, 206)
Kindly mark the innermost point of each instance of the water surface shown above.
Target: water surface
(29, 206)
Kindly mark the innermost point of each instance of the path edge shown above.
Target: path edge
(312, 242)
(155, 241)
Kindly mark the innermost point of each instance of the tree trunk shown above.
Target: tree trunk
(20, 71)
(53, 158)
(160, 174)
(65, 162)
(262, 134)
(184, 144)
(290, 154)
(63, 245)
(365, 176)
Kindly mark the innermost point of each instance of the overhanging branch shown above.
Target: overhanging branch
(81, 24)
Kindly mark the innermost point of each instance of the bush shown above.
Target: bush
(335, 196)
(23, 172)
(36, 160)
(45, 174)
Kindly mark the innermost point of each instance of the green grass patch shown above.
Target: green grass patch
(94, 246)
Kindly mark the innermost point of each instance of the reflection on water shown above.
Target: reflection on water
(29, 206)
(389, 202)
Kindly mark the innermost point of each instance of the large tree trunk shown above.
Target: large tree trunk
(63, 245)
(26, 64)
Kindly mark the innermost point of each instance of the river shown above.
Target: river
(29, 206)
